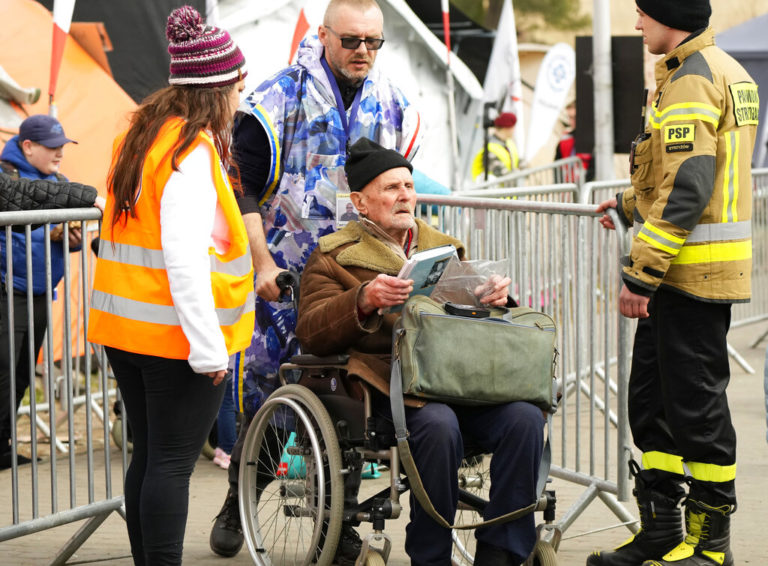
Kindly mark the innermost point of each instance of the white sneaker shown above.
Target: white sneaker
(221, 458)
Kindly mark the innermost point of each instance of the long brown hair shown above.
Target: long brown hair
(200, 108)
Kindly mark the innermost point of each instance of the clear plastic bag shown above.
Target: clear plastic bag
(466, 282)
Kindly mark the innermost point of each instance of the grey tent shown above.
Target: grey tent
(748, 44)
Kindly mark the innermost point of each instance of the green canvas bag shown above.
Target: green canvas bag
(507, 356)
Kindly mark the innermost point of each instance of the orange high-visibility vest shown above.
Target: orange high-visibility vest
(131, 305)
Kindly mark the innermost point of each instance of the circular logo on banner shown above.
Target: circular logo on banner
(559, 73)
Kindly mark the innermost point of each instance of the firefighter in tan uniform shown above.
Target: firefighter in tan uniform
(691, 257)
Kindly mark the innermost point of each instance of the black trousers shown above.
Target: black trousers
(677, 387)
(513, 433)
(171, 410)
(21, 339)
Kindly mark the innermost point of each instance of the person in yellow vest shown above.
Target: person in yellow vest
(502, 151)
(173, 288)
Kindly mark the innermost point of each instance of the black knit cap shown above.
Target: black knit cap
(367, 160)
(686, 15)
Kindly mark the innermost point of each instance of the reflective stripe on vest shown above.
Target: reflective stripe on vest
(161, 314)
(153, 259)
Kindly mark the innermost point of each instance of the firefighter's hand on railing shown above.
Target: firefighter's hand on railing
(605, 219)
(100, 203)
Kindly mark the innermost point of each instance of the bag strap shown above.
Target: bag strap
(414, 479)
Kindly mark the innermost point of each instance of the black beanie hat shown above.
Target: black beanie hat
(367, 160)
(686, 15)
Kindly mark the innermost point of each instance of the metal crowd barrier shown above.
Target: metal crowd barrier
(561, 171)
(71, 476)
(757, 309)
(561, 261)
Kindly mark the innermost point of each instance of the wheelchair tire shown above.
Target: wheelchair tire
(303, 461)
(373, 558)
(209, 448)
(543, 554)
(117, 433)
(474, 479)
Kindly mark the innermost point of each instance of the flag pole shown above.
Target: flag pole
(457, 177)
(62, 19)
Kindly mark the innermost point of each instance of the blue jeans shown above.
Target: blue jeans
(226, 422)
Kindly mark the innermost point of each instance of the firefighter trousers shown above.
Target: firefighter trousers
(678, 408)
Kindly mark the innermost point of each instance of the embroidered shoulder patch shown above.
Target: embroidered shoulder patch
(746, 103)
(679, 133)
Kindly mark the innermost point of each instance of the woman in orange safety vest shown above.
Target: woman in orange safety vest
(173, 288)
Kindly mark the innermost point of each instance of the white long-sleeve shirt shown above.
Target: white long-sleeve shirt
(188, 214)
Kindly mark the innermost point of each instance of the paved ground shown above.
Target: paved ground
(109, 544)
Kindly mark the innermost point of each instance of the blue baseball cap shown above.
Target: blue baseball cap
(43, 129)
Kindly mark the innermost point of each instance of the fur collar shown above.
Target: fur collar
(363, 250)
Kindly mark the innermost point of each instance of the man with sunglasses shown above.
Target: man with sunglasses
(290, 144)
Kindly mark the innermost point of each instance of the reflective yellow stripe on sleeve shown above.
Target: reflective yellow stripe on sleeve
(660, 239)
(663, 461)
(711, 472)
(685, 112)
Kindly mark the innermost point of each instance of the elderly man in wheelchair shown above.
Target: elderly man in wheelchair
(349, 280)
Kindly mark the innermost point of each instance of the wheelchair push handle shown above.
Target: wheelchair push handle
(288, 283)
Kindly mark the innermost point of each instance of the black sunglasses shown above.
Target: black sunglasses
(371, 43)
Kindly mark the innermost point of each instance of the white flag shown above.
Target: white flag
(556, 75)
(502, 79)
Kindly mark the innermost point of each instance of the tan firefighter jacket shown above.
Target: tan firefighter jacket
(691, 196)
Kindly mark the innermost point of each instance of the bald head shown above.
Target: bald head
(359, 5)
(356, 19)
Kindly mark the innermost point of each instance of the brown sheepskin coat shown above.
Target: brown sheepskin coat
(336, 272)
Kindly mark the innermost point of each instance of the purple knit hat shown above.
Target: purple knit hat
(201, 55)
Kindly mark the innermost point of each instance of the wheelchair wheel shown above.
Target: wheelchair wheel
(291, 486)
(209, 448)
(543, 554)
(475, 481)
(117, 433)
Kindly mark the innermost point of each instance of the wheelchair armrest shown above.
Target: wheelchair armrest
(310, 360)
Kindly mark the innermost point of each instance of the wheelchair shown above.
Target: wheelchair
(301, 466)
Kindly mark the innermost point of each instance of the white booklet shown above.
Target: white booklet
(425, 268)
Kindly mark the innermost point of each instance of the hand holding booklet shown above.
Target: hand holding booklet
(425, 269)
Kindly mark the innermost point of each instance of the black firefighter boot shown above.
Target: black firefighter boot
(661, 526)
(708, 539)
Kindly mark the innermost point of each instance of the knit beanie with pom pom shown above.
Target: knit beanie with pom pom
(201, 55)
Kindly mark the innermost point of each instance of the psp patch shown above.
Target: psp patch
(746, 103)
(680, 133)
